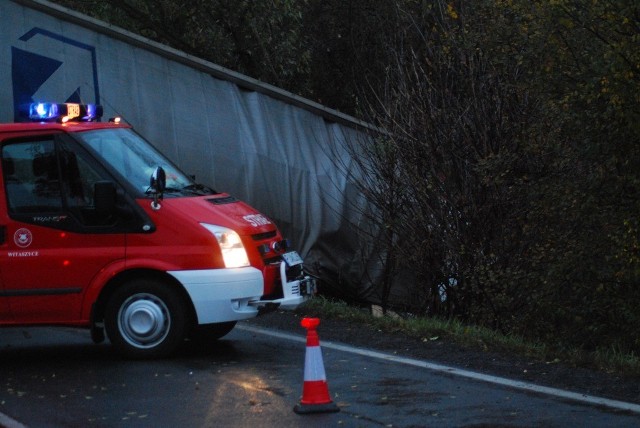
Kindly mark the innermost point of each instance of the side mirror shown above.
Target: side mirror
(105, 197)
(158, 181)
(157, 184)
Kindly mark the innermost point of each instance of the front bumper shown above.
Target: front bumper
(221, 295)
(295, 292)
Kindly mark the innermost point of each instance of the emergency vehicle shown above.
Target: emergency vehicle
(99, 230)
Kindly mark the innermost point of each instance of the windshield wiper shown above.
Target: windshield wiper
(199, 189)
(150, 190)
(193, 189)
(172, 190)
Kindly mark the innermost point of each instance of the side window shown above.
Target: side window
(32, 178)
(79, 176)
(53, 179)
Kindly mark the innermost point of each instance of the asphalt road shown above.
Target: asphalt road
(55, 377)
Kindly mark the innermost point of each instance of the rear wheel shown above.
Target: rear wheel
(146, 319)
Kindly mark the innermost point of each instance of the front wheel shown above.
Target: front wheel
(146, 319)
(208, 333)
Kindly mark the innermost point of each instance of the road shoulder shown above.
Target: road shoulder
(551, 374)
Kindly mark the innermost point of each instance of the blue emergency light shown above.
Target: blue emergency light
(54, 112)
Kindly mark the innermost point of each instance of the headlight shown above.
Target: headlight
(233, 252)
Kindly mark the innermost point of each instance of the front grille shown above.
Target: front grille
(272, 260)
(263, 236)
(295, 289)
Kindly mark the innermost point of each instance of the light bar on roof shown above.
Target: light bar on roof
(54, 112)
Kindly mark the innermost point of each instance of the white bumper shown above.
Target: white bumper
(221, 295)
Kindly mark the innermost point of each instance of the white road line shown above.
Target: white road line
(7, 422)
(496, 380)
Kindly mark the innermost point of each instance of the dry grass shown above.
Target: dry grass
(613, 361)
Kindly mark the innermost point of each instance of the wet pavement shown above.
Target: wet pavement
(55, 377)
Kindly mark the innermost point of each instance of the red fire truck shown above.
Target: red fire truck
(100, 230)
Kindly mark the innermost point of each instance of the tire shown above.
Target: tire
(146, 319)
(207, 333)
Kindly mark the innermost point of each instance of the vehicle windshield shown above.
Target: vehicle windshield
(136, 160)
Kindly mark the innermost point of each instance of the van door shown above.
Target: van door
(56, 239)
(5, 315)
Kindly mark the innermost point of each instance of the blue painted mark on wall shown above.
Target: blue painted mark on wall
(32, 70)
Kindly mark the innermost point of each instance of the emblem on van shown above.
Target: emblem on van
(23, 238)
(256, 220)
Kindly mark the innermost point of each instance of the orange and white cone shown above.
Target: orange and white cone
(315, 392)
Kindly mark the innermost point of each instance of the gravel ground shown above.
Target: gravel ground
(552, 374)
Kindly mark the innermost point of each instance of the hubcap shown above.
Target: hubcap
(144, 320)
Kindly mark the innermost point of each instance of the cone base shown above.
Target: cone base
(304, 409)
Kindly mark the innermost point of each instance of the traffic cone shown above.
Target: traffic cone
(315, 393)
